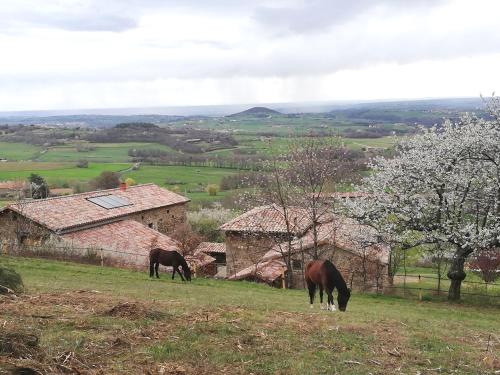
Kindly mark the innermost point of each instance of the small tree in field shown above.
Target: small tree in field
(487, 264)
(106, 180)
(443, 186)
(39, 188)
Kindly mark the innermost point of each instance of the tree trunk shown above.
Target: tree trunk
(456, 274)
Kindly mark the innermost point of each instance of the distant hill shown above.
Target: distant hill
(256, 112)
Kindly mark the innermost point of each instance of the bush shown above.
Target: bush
(208, 220)
(10, 279)
(82, 164)
(212, 189)
(130, 181)
(106, 180)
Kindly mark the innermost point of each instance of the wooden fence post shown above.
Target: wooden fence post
(102, 257)
(283, 284)
(420, 288)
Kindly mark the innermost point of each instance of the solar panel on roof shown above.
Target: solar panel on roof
(109, 201)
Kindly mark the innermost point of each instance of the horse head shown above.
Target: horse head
(187, 272)
(343, 298)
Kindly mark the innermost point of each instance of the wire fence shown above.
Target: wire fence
(416, 286)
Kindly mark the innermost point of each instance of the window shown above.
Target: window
(150, 225)
(296, 264)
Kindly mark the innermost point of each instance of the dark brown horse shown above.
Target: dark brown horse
(323, 274)
(168, 258)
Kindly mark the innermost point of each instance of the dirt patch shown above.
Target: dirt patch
(134, 310)
(19, 344)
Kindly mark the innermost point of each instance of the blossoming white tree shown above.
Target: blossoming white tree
(443, 185)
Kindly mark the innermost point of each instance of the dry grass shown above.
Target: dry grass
(122, 322)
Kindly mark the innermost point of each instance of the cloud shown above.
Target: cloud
(320, 15)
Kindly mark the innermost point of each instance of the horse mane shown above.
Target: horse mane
(338, 280)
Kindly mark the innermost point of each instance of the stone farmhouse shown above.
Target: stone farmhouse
(257, 244)
(120, 224)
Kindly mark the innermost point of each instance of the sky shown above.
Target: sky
(71, 54)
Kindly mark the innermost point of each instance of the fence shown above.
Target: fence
(426, 287)
(422, 287)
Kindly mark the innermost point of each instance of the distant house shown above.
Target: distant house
(256, 242)
(121, 223)
(11, 189)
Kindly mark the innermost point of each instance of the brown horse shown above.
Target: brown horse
(322, 273)
(168, 258)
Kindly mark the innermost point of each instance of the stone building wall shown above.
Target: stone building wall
(359, 274)
(163, 219)
(16, 229)
(246, 249)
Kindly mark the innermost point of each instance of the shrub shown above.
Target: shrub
(106, 180)
(82, 164)
(130, 181)
(212, 189)
(10, 279)
(207, 221)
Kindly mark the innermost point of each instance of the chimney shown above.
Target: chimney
(123, 186)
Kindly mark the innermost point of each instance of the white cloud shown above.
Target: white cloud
(152, 53)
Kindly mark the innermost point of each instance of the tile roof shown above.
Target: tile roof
(200, 260)
(72, 211)
(267, 271)
(126, 236)
(269, 219)
(342, 232)
(211, 247)
(12, 185)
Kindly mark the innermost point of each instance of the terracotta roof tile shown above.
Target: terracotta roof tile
(267, 271)
(211, 247)
(70, 211)
(342, 232)
(126, 236)
(269, 219)
(200, 260)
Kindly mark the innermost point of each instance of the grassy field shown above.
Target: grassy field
(185, 177)
(103, 152)
(103, 320)
(56, 172)
(18, 151)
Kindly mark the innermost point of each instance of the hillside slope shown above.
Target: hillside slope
(103, 320)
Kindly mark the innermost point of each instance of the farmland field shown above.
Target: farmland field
(56, 171)
(100, 152)
(92, 319)
(17, 151)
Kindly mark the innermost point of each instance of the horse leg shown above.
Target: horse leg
(312, 291)
(331, 305)
(320, 296)
(157, 265)
(180, 274)
(173, 272)
(151, 267)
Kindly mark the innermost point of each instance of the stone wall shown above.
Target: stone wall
(358, 273)
(16, 229)
(163, 219)
(246, 249)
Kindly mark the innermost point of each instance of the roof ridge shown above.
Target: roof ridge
(78, 194)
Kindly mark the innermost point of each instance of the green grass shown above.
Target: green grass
(210, 326)
(54, 172)
(104, 152)
(187, 178)
(17, 151)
